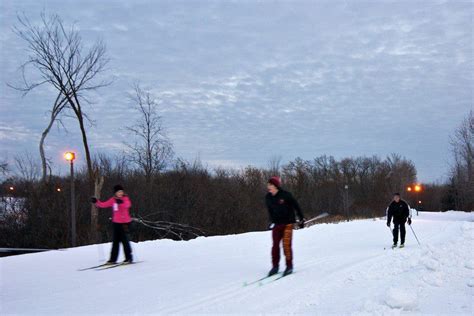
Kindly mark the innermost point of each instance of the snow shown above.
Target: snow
(340, 269)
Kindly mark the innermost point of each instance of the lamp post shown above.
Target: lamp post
(417, 188)
(410, 190)
(70, 156)
(346, 201)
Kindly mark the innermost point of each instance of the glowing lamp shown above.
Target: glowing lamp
(70, 156)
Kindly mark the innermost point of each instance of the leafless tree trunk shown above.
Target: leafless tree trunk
(152, 149)
(99, 183)
(58, 107)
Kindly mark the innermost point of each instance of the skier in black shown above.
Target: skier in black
(281, 208)
(399, 210)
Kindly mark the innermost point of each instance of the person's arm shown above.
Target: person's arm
(296, 207)
(408, 213)
(389, 215)
(109, 203)
(269, 208)
(126, 202)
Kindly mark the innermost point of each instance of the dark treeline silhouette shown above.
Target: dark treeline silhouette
(190, 199)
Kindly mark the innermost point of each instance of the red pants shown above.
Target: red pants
(285, 232)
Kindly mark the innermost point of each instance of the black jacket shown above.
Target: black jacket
(282, 207)
(398, 211)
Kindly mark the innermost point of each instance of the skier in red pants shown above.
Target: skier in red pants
(281, 208)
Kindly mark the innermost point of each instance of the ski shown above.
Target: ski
(121, 264)
(280, 276)
(93, 267)
(259, 280)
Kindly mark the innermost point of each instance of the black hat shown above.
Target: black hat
(396, 193)
(117, 188)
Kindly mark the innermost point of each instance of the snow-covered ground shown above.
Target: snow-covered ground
(339, 269)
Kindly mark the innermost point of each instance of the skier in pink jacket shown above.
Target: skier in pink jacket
(120, 204)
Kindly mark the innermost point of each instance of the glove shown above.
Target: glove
(301, 223)
(93, 200)
(118, 201)
(409, 221)
(388, 224)
(271, 226)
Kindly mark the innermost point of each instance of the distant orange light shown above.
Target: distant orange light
(409, 189)
(12, 188)
(419, 202)
(70, 156)
(417, 188)
(58, 189)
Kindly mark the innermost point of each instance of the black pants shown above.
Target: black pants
(121, 236)
(403, 232)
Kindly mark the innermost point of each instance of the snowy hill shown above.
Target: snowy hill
(339, 269)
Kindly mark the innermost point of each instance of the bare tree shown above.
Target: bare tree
(274, 165)
(62, 61)
(401, 172)
(4, 170)
(27, 167)
(462, 172)
(152, 150)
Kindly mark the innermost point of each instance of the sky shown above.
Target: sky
(240, 82)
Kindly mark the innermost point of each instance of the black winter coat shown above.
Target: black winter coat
(282, 207)
(398, 211)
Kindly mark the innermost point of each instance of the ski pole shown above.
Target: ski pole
(415, 235)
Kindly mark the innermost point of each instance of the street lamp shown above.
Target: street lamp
(70, 156)
(346, 201)
(409, 189)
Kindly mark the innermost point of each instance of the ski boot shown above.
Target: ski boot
(402, 245)
(394, 245)
(288, 270)
(273, 271)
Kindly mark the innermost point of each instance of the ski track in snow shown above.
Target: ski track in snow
(340, 269)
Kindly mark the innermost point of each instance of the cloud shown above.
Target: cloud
(240, 82)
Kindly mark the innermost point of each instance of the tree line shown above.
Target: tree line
(189, 199)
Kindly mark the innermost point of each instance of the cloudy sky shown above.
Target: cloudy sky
(242, 81)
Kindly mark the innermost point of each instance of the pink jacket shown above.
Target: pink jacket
(120, 213)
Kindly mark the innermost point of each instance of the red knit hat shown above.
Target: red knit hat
(276, 181)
